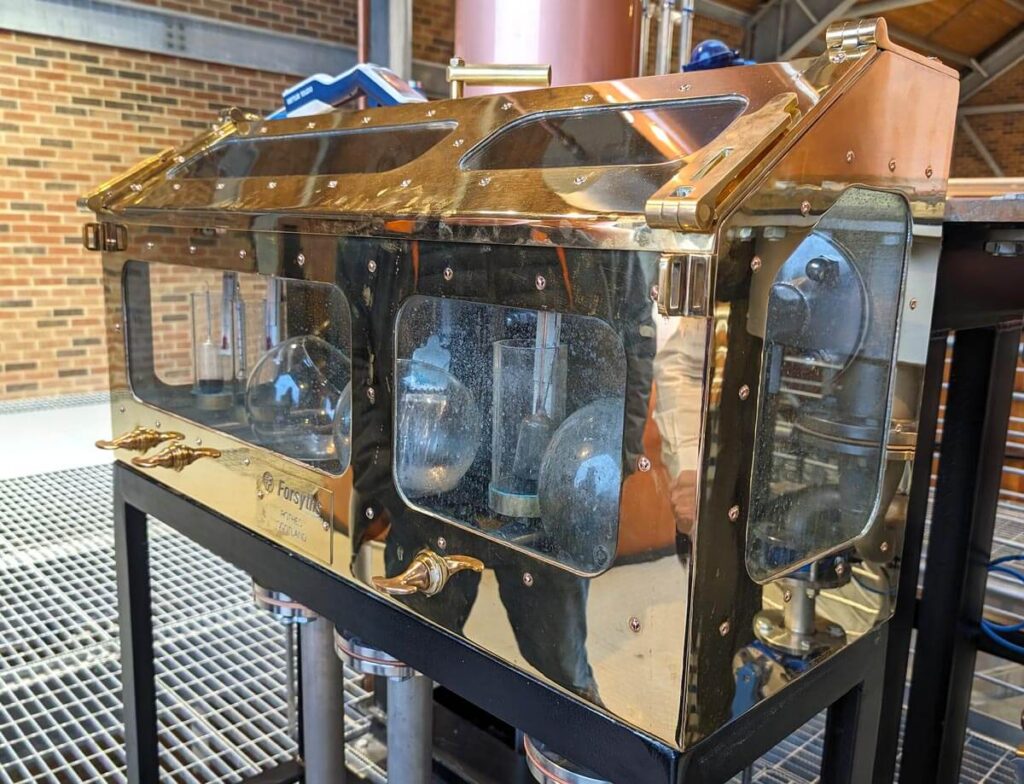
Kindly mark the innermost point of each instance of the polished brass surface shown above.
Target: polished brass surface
(460, 73)
(653, 638)
(176, 456)
(139, 439)
(428, 573)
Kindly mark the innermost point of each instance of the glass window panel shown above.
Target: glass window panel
(830, 330)
(509, 421)
(369, 151)
(263, 359)
(607, 135)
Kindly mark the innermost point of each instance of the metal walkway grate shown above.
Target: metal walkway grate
(221, 664)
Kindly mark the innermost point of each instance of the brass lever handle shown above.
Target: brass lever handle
(428, 573)
(139, 439)
(176, 456)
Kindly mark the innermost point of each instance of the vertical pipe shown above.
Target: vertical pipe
(646, 11)
(363, 34)
(666, 30)
(323, 713)
(410, 730)
(686, 33)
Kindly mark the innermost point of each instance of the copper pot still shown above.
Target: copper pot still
(582, 40)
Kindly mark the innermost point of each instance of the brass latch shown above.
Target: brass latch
(459, 74)
(139, 439)
(684, 284)
(428, 573)
(176, 456)
(105, 236)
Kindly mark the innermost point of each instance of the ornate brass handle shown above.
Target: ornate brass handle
(176, 456)
(139, 439)
(427, 574)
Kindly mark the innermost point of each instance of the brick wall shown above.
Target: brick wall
(1003, 134)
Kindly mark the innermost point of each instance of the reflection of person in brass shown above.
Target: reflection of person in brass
(545, 604)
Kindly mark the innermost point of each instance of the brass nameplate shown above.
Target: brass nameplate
(296, 513)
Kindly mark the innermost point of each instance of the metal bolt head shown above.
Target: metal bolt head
(263, 129)
(588, 98)
(117, 326)
(406, 182)
(246, 461)
(332, 183)
(300, 259)
(371, 395)
(242, 254)
(156, 423)
(755, 263)
(136, 187)
(442, 543)
(685, 88)
(884, 547)
(744, 392)
(892, 164)
(485, 181)
(634, 624)
(192, 250)
(541, 282)
(371, 266)
(259, 494)
(913, 303)
(448, 273)
(850, 156)
(121, 409)
(506, 106)
(805, 207)
(458, 142)
(370, 513)
(326, 525)
(272, 184)
(734, 513)
(579, 180)
(311, 125)
(366, 120)
(149, 246)
(834, 630)
(787, 595)
(527, 579)
(431, 112)
(654, 293)
(176, 186)
(199, 442)
(840, 568)
(643, 464)
(219, 186)
(928, 172)
(723, 628)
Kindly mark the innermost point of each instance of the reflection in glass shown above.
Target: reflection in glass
(294, 395)
(438, 429)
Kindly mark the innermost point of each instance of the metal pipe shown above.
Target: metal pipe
(646, 12)
(666, 31)
(363, 31)
(798, 612)
(410, 730)
(323, 713)
(686, 32)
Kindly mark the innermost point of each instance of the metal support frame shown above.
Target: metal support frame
(614, 750)
(979, 145)
(993, 65)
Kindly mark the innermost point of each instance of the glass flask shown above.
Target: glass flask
(294, 396)
(437, 431)
(528, 405)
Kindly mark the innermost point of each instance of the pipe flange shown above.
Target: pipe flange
(281, 605)
(770, 628)
(370, 661)
(548, 767)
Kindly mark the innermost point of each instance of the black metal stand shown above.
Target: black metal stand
(848, 684)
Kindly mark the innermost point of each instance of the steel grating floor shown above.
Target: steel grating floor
(224, 704)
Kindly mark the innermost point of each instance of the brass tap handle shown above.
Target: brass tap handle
(176, 456)
(461, 73)
(139, 439)
(428, 573)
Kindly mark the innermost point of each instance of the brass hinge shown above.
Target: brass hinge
(851, 39)
(105, 236)
(684, 284)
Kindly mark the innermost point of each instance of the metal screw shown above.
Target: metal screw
(117, 326)
(156, 423)
(332, 183)
(527, 579)
(850, 156)
(448, 273)
(928, 172)
(580, 180)
(755, 263)
(371, 395)
(177, 186)
(179, 159)
(121, 409)
(192, 249)
(840, 568)
(634, 624)
(136, 187)
(370, 513)
(259, 494)
(787, 595)
(300, 259)
(541, 282)
(431, 112)
(744, 392)
(199, 442)
(242, 254)
(643, 463)
(406, 183)
(326, 525)
(311, 125)
(485, 181)
(366, 120)
(149, 246)
(272, 185)
(835, 630)
(506, 106)
(805, 207)
(734, 513)
(371, 266)
(884, 547)
(263, 129)
(458, 142)
(913, 304)
(246, 461)
(654, 293)
(685, 88)
(588, 98)
(442, 543)
(723, 628)
(892, 164)
(219, 186)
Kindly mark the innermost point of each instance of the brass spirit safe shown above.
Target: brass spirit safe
(617, 381)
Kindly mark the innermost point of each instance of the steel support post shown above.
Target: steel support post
(322, 704)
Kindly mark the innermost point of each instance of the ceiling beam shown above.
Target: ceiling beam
(817, 30)
(994, 64)
(929, 47)
(979, 145)
(712, 9)
(868, 10)
(991, 108)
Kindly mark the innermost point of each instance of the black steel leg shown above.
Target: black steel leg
(901, 626)
(851, 733)
(135, 623)
(963, 521)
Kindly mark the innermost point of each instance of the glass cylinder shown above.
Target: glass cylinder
(212, 344)
(528, 405)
